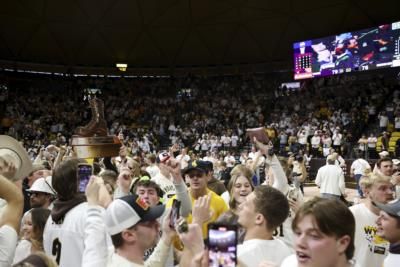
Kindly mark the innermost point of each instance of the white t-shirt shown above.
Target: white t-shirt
(397, 122)
(383, 121)
(116, 260)
(65, 242)
(337, 139)
(359, 166)
(291, 261)
(22, 251)
(8, 242)
(254, 251)
(315, 141)
(371, 249)
(226, 197)
(230, 161)
(166, 185)
(234, 140)
(330, 179)
(392, 260)
(153, 170)
(372, 142)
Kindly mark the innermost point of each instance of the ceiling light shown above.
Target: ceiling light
(122, 66)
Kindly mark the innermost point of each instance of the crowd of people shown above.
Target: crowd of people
(203, 114)
(126, 214)
(185, 168)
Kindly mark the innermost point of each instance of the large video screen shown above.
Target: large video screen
(361, 50)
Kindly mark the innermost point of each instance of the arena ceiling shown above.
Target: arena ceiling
(174, 33)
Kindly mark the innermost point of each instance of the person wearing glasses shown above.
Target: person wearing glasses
(42, 193)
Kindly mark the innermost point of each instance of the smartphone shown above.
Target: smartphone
(222, 245)
(174, 215)
(84, 172)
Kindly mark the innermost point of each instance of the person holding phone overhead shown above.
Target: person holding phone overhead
(64, 231)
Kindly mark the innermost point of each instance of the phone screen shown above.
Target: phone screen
(222, 244)
(84, 173)
(176, 205)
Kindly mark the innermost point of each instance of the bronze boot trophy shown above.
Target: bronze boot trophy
(92, 141)
(97, 126)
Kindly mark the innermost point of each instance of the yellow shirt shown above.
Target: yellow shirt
(217, 205)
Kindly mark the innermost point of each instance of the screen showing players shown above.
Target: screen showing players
(361, 50)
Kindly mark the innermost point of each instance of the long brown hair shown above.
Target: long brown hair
(238, 171)
(39, 219)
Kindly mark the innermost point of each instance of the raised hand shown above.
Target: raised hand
(173, 167)
(193, 238)
(261, 147)
(124, 180)
(201, 209)
(7, 167)
(168, 233)
(96, 192)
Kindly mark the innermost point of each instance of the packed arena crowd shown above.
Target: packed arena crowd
(188, 186)
(205, 114)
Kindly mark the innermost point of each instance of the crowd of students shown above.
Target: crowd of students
(184, 141)
(205, 114)
(123, 216)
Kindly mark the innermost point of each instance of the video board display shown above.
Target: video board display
(361, 50)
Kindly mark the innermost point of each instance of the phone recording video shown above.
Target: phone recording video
(174, 215)
(222, 245)
(84, 173)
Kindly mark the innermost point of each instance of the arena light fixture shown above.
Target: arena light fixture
(122, 66)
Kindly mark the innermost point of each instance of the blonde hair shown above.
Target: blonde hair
(241, 169)
(368, 180)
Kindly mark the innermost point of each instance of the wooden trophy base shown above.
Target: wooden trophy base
(96, 146)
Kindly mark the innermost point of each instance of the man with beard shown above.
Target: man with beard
(41, 193)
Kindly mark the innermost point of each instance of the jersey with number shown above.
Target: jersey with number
(65, 242)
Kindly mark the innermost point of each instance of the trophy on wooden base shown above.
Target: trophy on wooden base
(92, 141)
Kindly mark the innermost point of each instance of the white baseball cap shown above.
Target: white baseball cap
(384, 154)
(127, 211)
(396, 161)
